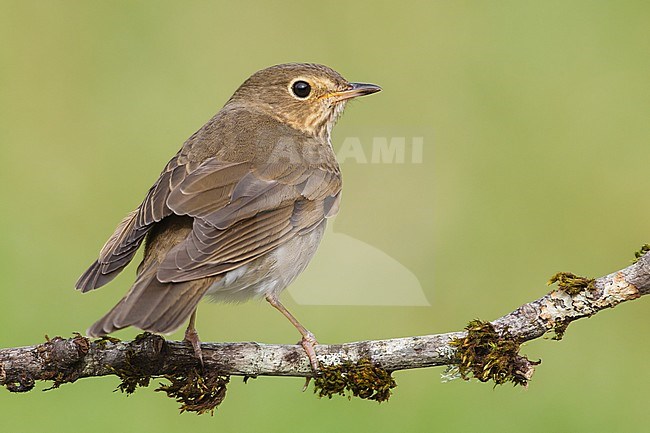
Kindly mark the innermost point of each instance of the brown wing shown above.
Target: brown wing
(129, 234)
(267, 207)
(240, 213)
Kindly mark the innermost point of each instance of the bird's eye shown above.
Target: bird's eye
(301, 89)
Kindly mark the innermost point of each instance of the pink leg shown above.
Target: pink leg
(308, 341)
(192, 337)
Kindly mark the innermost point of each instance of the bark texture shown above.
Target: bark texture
(66, 360)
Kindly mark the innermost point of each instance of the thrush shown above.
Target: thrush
(239, 211)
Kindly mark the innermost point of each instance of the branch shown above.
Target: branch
(66, 360)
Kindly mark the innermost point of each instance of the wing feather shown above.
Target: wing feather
(129, 234)
(241, 211)
(260, 215)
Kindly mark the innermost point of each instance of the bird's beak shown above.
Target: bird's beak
(356, 89)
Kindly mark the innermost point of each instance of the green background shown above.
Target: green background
(537, 163)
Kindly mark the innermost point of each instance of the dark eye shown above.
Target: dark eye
(301, 89)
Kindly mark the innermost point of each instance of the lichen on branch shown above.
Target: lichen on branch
(488, 351)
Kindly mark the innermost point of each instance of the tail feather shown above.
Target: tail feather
(153, 306)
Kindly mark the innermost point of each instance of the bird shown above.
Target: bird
(239, 211)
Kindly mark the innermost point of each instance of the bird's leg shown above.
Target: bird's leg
(192, 337)
(308, 341)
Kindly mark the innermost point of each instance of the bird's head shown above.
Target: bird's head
(308, 97)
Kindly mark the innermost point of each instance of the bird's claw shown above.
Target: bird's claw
(192, 337)
(308, 343)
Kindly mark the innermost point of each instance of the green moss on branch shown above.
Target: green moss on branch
(361, 379)
(487, 355)
(572, 284)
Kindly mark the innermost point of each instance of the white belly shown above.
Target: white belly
(269, 274)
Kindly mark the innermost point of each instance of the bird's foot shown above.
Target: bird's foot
(192, 337)
(308, 343)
